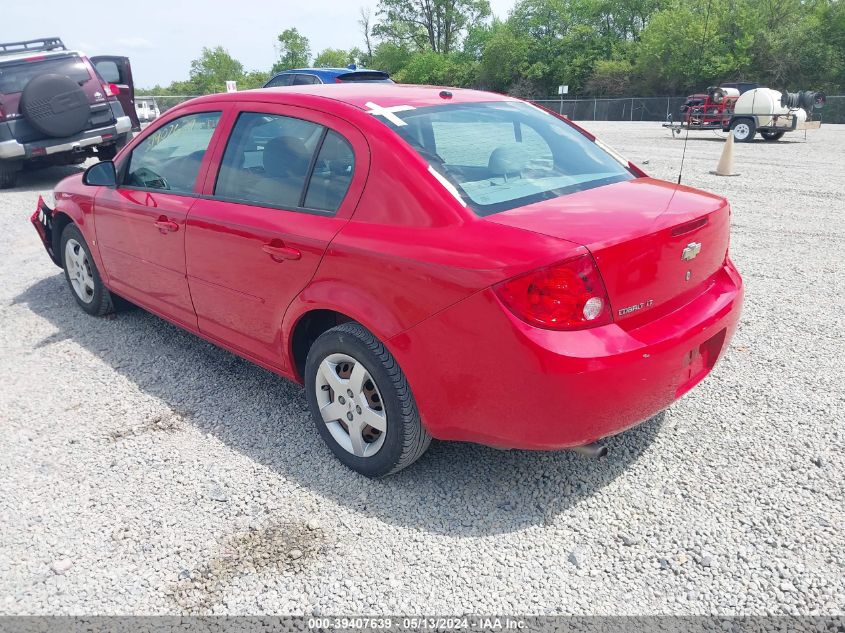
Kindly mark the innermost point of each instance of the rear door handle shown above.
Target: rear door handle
(281, 253)
(166, 226)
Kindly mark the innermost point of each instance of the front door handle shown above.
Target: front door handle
(281, 252)
(166, 226)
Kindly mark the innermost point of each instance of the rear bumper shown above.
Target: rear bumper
(480, 374)
(13, 149)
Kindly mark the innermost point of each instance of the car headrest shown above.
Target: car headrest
(286, 156)
(508, 159)
(337, 154)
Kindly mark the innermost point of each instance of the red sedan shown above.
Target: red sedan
(429, 263)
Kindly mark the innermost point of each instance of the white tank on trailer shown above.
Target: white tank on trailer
(763, 103)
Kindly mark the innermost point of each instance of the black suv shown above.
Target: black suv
(56, 109)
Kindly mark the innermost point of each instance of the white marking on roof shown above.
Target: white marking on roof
(388, 113)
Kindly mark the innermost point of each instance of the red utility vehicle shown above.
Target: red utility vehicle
(430, 263)
(58, 107)
(711, 110)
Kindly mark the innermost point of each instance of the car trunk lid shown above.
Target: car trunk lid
(655, 243)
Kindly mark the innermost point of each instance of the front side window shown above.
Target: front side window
(109, 71)
(169, 159)
(503, 155)
(280, 80)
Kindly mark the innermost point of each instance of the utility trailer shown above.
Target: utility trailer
(757, 110)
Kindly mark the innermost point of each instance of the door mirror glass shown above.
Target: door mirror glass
(100, 175)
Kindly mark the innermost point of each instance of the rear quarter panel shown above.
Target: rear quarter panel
(411, 249)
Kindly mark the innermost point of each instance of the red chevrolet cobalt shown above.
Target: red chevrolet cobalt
(429, 263)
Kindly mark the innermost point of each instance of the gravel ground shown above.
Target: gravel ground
(146, 471)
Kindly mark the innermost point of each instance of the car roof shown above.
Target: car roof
(37, 55)
(332, 71)
(360, 94)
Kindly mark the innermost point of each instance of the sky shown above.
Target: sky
(162, 37)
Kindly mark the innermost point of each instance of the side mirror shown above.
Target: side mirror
(102, 174)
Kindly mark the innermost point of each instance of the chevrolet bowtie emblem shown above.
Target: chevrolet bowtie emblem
(690, 251)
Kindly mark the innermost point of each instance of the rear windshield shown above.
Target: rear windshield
(366, 77)
(14, 77)
(503, 155)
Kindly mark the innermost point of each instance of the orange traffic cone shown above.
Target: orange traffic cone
(726, 161)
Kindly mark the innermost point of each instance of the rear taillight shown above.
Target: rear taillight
(2, 113)
(111, 90)
(569, 295)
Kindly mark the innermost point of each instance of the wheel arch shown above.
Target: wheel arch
(324, 304)
(59, 223)
(306, 329)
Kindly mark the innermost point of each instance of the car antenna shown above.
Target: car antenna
(698, 72)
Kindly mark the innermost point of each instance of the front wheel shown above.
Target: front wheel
(361, 402)
(744, 130)
(82, 275)
(771, 135)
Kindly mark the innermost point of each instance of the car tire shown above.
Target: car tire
(9, 173)
(379, 393)
(743, 130)
(82, 275)
(108, 152)
(769, 135)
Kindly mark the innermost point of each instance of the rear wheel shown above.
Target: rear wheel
(743, 130)
(361, 402)
(108, 152)
(82, 275)
(771, 135)
(9, 173)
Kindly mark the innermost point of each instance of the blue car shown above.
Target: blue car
(303, 76)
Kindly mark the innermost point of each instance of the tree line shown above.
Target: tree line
(596, 47)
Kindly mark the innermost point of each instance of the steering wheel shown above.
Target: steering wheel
(146, 177)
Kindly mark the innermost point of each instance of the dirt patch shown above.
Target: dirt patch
(284, 547)
(165, 422)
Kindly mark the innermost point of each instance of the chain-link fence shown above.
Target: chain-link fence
(589, 109)
(165, 102)
(654, 108)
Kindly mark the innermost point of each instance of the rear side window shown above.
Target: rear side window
(305, 80)
(332, 174)
(270, 161)
(169, 159)
(14, 77)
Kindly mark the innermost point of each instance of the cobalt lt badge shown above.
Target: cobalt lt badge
(690, 251)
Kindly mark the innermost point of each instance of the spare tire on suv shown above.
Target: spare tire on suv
(55, 105)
